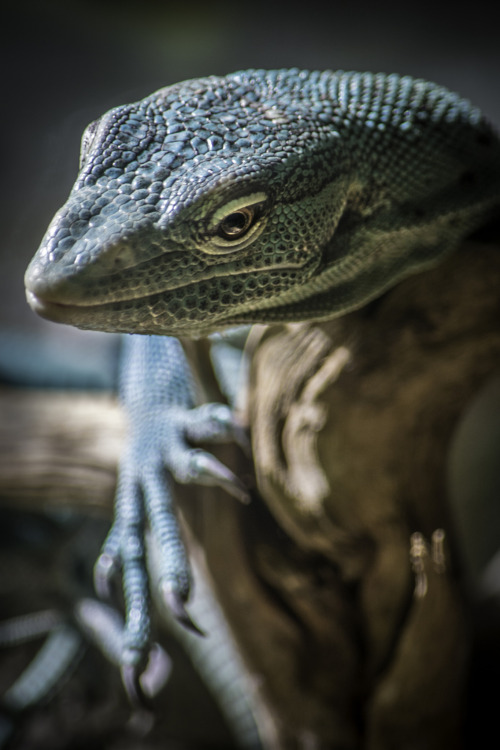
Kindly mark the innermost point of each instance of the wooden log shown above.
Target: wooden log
(344, 588)
(59, 449)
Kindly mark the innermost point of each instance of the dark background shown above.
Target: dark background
(65, 62)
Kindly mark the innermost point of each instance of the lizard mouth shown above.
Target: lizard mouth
(107, 317)
(50, 310)
(200, 307)
(57, 312)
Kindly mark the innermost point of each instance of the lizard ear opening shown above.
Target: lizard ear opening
(236, 224)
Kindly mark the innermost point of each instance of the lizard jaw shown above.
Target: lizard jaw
(99, 318)
(54, 311)
(59, 312)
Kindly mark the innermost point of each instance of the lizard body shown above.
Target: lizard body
(259, 197)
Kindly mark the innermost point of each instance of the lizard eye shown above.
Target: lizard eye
(236, 224)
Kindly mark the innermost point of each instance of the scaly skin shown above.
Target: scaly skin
(356, 180)
(253, 198)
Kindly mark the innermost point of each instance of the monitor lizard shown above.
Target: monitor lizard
(257, 197)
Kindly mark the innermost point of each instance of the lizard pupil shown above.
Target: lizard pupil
(236, 224)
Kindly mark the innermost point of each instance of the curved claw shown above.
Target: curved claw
(209, 470)
(131, 675)
(240, 436)
(176, 606)
(157, 671)
(104, 570)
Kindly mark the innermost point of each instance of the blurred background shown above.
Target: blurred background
(65, 62)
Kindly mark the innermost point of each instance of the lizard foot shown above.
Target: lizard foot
(165, 428)
(145, 501)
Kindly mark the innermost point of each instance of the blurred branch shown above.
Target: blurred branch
(59, 449)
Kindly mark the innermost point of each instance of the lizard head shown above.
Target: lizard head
(255, 197)
(197, 204)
